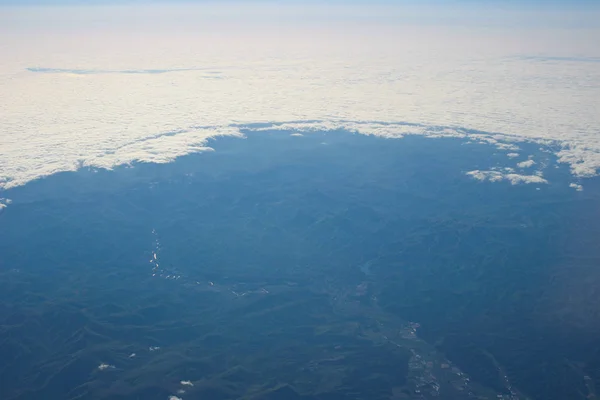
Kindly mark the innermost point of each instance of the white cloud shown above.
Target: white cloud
(497, 176)
(576, 186)
(187, 383)
(526, 164)
(103, 367)
(515, 179)
(480, 175)
(150, 99)
(174, 398)
(512, 155)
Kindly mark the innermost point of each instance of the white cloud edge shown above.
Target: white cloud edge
(164, 148)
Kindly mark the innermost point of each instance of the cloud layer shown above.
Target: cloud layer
(120, 84)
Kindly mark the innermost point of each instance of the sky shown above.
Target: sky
(104, 84)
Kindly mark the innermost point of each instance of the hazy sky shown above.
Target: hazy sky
(102, 84)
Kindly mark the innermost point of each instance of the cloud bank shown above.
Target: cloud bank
(109, 85)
